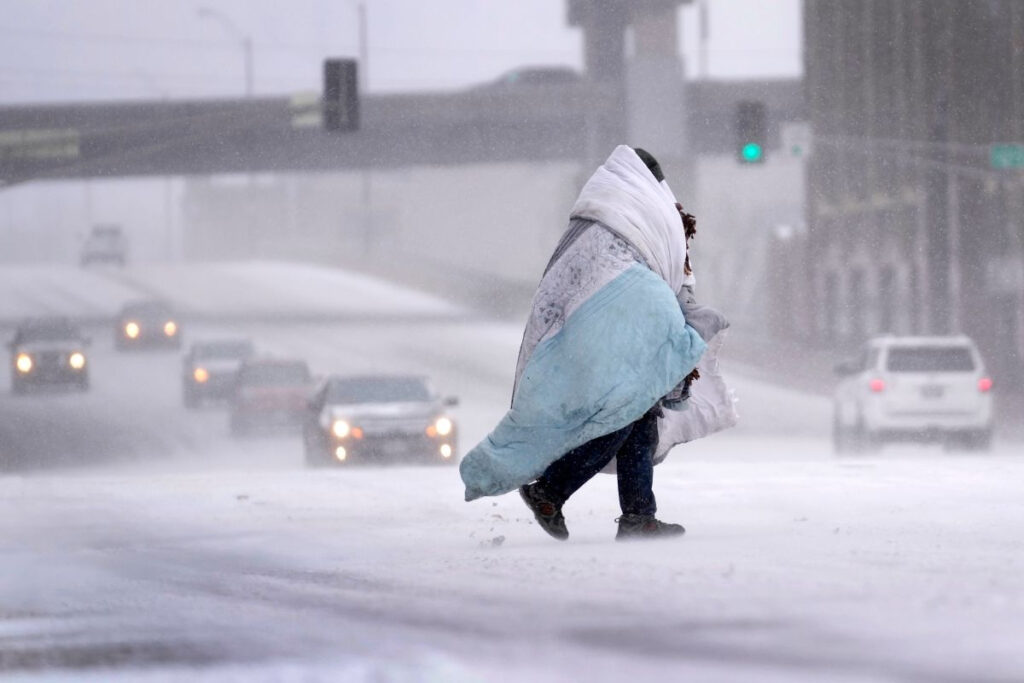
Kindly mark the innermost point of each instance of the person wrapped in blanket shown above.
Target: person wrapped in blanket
(614, 357)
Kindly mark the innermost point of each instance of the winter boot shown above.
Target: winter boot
(548, 513)
(645, 526)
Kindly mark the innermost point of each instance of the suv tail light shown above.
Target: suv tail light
(984, 385)
(877, 385)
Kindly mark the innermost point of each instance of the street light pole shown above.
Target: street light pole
(247, 46)
(363, 49)
(238, 34)
(702, 54)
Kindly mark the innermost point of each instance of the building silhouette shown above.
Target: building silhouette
(913, 224)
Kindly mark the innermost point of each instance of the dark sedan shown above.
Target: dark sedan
(48, 352)
(147, 324)
(270, 394)
(210, 369)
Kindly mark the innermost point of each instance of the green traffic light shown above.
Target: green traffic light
(752, 152)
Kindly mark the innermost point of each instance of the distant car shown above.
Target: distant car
(147, 324)
(48, 352)
(210, 369)
(269, 394)
(105, 244)
(913, 388)
(535, 75)
(378, 419)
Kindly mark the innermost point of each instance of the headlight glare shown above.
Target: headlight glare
(340, 428)
(170, 328)
(24, 363)
(131, 330)
(443, 426)
(77, 360)
(200, 375)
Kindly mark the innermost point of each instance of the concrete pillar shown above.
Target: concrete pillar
(604, 36)
(604, 43)
(656, 115)
(638, 103)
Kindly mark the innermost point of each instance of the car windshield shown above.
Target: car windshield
(223, 349)
(378, 390)
(539, 76)
(105, 234)
(275, 374)
(147, 311)
(930, 359)
(55, 330)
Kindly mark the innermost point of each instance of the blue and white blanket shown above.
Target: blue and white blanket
(606, 338)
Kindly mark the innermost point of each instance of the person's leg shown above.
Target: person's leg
(635, 467)
(567, 474)
(562, 478)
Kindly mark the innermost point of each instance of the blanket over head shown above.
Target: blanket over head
(606, 338)
(624, 196)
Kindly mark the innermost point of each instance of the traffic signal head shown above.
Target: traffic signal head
(341, 95)
(751, 126)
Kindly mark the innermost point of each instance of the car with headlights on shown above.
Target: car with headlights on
(48, 352)
(379, 419)
(210, 369)
(269, 394)
(530, 76)
(147, 324)
(933, 388)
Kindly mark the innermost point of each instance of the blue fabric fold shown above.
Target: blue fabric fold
(622, 350)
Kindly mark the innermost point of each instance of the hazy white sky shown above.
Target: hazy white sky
(72, 50)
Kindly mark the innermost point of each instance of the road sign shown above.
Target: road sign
(1007, 156)
(796, 139)
(306, 110)
(39, 144)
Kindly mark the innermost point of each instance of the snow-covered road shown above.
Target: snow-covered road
(795, 567)
(139, 542)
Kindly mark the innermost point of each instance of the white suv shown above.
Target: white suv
(913, 388)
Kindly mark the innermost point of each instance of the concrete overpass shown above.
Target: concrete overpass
(540, 122)
(284, 133)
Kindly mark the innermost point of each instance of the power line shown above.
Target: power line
(873, 147)
(142, 40)
(134, 75)
(270, 45)
(11, 74)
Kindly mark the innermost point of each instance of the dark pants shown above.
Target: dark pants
(633, 447)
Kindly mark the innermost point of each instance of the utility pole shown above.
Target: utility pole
(247, 47)
(366, 181)
(940, 189)
(702, 54)
(364, 50)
